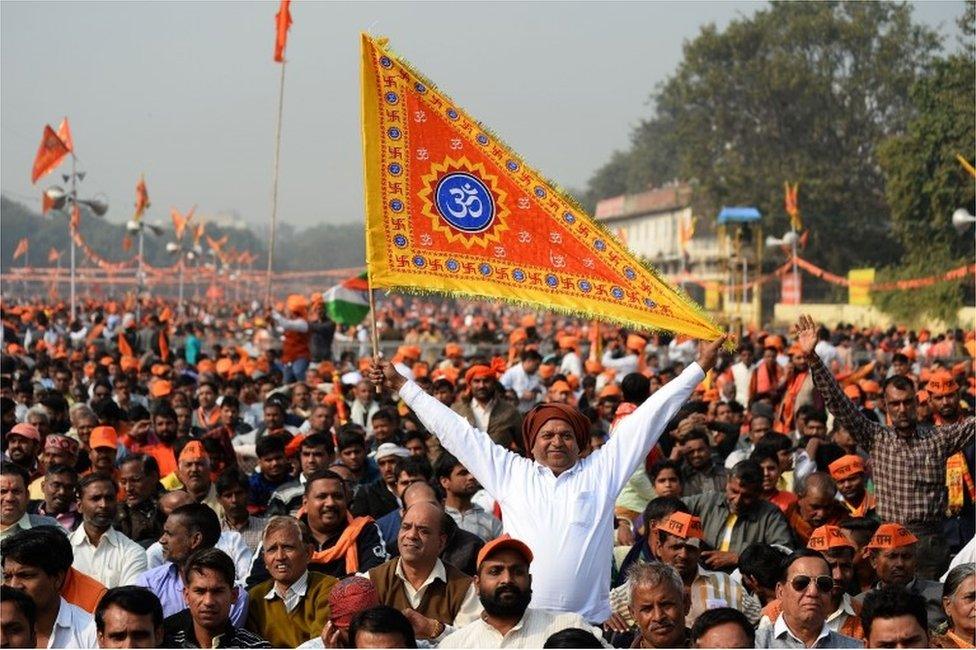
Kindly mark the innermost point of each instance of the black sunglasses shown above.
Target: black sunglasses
(824, 583)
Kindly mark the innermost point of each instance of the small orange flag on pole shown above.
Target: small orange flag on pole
(64, 133)
(142, 198)
(124, 346)
(22, 247)
(53, 255)
(49, 155)
(283, 22)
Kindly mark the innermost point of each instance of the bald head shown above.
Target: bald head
(818, 484)
(173, 500)
(419, 492)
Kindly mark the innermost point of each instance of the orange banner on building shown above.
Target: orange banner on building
(451, 209)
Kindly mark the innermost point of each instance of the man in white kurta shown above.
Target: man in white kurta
(565, 516)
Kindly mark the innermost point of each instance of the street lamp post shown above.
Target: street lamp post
(139, 226)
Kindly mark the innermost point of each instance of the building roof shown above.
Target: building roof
(662, 199)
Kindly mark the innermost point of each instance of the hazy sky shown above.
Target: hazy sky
(186, 92)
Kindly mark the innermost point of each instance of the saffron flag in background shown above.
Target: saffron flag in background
(142, 198)
(49, 155)
(64, 134)
(53, 255)
(282, 23)
(792, 205)
(451, 209)
(180, 221)
(347, 303)
(22, 247)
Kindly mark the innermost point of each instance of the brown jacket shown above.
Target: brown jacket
(441, 600)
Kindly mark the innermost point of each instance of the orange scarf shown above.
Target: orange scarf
(346, 546)
(786, 415)
(763, 379)
(869, 502)
(958, 640)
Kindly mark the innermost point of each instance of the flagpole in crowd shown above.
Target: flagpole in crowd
(282, 21)
(71, 232)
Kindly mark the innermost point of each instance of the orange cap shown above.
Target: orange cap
(160, 388)
(206, 365)
(517, 336)
(683, 525)
(223, 365)
(103, 437)
(193, 451)
(128, 363)
(504, 542)
(611, 390)
(453, 350)
(852, 391)
(828, 537)
(420, 370)
(922, 396)
(528, 320)
(891, 536)
(845, 467)
(159, 369)
(106, 361)
(773, 341)
(560, 387)
(567, 342)
(411, 352)
(869, 386)
(294, 446)
(593, 367)
(296, 303)
(941, 383)
(636, 343)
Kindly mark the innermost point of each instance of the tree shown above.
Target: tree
(801, 92)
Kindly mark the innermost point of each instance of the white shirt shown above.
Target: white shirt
(231, 542)
(293, 594)
(115, 562)
(476, 521)
(536, 626)
(567, 520)
(482, 414)
(571, 364)
(742, 376)
(826, 352)
(520, 382)
(623, 366)
(73, 628)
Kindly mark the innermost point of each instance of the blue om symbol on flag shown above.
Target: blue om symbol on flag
(464, 202)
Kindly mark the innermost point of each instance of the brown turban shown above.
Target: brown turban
(542, 413)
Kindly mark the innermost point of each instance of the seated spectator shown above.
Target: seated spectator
(13, 499)
(18, 619)
(848, 471)
(838, 551)
(316, 452)
(385, 431)
(644, 548)
(293, 606)
(699, 472)
(504, 588)
(206, 621)
(768, 460)
(804, 591)
(351, 449)
(381, 627)
(99, 550)
(893, 554)
(895, 618)
(343, 544)
(679, 546)
(58, 487)
(439, 596)
(379, 497)
(722, 627)
(129, 617)
(659, 605)
(138, 514)
(273, 471)
(959, 603)
(347, 598)
(737, 517)
(459, 487)
(193, 474)
(232, 489)
(188, 529)
(58, 450)
(816, 505)
(30, 562)
(666, 478)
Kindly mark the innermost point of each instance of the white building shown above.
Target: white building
(649, 223)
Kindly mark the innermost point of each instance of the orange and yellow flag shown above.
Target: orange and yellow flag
(49, 155)
(451, 209)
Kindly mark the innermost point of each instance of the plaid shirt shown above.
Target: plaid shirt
(910, 474)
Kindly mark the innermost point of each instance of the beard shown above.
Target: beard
(498, 605)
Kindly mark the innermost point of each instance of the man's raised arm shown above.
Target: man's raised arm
(863, 429)
(488, 462)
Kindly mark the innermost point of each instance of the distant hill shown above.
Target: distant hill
(319, 247)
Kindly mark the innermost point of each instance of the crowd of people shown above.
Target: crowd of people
(230, 476)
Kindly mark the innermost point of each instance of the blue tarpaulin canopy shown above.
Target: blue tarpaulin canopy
(738, 214)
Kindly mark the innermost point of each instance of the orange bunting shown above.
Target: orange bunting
(216, 244)
(49, 154)
(75, 220)
(282, 23)
(451, 209)
(163, 346)
(126, 243)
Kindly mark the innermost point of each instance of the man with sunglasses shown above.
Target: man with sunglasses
(804, 592)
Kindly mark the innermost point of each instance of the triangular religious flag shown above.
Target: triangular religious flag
(180, 221)
(282, 23)
(451, 209)
(198, 232)
(49, 155)
(142, 198)
(64, 133)
(47, 203)
(792, 204)
(22, 247)
(53, 255)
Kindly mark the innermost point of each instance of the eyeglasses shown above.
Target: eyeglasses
(800, 583)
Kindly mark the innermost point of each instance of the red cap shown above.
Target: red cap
(26, 430)
(504, 542)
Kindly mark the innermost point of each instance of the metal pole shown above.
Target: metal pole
(796, 285)
(71, 238)
(139, 287)
(274, 185)
(179, 308)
